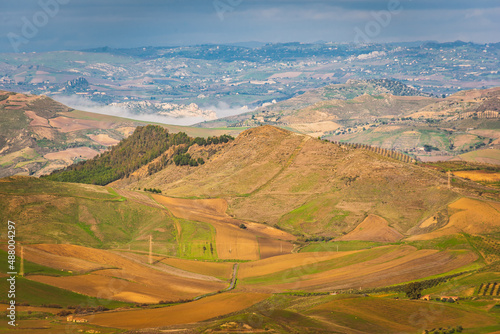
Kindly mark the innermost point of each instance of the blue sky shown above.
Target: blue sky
(78, 24)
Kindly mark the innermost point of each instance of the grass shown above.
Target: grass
(47, 212)
(197, 240)
(447, 242)
(315, 216)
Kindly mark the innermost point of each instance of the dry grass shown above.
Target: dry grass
(469, 216)
(478, 175)
(373, 228)
(36, 120)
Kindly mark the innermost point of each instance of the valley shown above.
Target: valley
(303, 226)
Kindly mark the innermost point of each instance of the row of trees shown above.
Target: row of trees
(379, 150)
(153, 190)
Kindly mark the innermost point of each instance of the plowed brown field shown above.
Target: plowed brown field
(199, 310)
(216, 269)
(131, 281)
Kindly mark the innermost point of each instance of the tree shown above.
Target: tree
(414, 290)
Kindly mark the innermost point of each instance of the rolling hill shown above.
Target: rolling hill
(39, 135)
(300, 224)
(388, 114)
(310, 187)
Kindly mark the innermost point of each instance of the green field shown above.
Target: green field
(197, 240)
(53, 212)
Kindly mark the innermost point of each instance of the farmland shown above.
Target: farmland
(322, 242)
(207, 308)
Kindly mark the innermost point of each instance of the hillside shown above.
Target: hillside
(290, 111)
(299, 224)
(145, 145)
(388, 114)
(39, 135)
(311, 187)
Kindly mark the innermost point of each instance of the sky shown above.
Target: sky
(49, 25)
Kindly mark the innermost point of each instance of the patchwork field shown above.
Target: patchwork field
(284, 262)
(200, 310)
(66, 124)
(367, 269)
(233, 242)
(129, 280)
(71, 154)
(490, 156)
(379, 315)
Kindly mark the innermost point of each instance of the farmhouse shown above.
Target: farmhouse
(446, 298)
(426, 297)
(71, 318)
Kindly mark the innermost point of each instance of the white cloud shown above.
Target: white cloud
(80, 103)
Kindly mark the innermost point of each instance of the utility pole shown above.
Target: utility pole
(449, 179)
(150, 260)
(21, 270)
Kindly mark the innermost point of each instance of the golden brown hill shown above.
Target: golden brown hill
(307, 186)
(373, 228)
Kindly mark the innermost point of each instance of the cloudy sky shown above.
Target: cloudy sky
(43, 25)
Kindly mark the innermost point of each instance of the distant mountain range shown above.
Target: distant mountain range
(230, 76)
